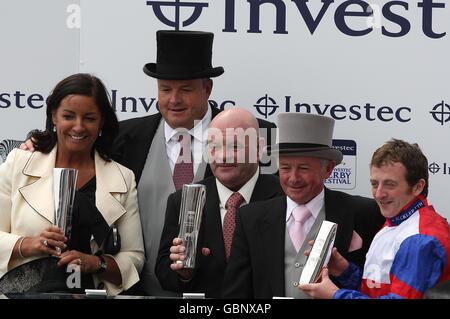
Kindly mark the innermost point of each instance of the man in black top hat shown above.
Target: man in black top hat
(151, 146)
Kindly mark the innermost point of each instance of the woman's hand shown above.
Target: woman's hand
(50, 242)
(88, 263)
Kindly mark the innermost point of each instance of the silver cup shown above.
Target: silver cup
(191, 211)
(64, 187)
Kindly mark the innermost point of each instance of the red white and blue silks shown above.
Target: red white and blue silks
(410, 254)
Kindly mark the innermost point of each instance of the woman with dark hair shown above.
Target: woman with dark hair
(106, 238)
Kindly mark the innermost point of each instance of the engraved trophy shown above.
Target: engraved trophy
(191, 210)
(320, 253)
(64, 187)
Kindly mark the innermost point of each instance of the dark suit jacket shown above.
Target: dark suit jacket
(256, 264)
(209, 269)
(136, 136)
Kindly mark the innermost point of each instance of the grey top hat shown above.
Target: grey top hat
(303, 134)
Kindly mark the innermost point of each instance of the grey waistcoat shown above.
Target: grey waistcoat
(294, 262)
(155, 185)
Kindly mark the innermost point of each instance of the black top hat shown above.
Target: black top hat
(183, 55)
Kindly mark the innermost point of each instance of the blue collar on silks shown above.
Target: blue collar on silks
(408, 210)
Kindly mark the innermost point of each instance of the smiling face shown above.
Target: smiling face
(230, 158)
(181, 102)
(78, 121)
(390, 188)
(302, 177)
(233, 147)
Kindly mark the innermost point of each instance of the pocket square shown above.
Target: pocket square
(356, 242)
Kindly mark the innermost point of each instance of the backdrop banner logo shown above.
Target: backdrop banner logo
(343, 176)
(441, 113)
(177, 6)
(441, 169)
(266, 106)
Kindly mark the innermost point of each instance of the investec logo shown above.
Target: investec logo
(267, 106)
(440, 169)
(441, 113)
(391, 18)
(196, 8)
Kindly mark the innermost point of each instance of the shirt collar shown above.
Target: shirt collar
(199, 131)
(246, 190)
(314, 205)
(408, 210)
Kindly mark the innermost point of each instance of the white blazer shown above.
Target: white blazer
(27, 208)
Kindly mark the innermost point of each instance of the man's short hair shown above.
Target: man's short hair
(410, 155)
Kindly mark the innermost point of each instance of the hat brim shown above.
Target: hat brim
(320, 152)
(150, 70)
(30, 276)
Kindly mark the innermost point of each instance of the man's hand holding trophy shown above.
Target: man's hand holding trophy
(184, 250)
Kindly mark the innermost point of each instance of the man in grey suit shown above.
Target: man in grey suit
(233, 147)
(267, 255)
(149, 145)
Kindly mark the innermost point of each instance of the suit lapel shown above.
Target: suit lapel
(138, 144)
(338, 212)
(213, 238)
(265, 188)
(272, 243)
(110, 184)
(213, 235)
(204, 170)
(39, 193)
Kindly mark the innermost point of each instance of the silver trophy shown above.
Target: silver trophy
(320, 253)
(191, 210)
(64, 187)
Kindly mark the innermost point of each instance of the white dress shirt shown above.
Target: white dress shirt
(200, 135)
(246, 191)
(314, 206)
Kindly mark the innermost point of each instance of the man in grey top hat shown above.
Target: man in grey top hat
(267, 254)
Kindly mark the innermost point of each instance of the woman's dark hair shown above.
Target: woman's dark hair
(86, 85)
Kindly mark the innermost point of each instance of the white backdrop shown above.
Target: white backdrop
(278, 56)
